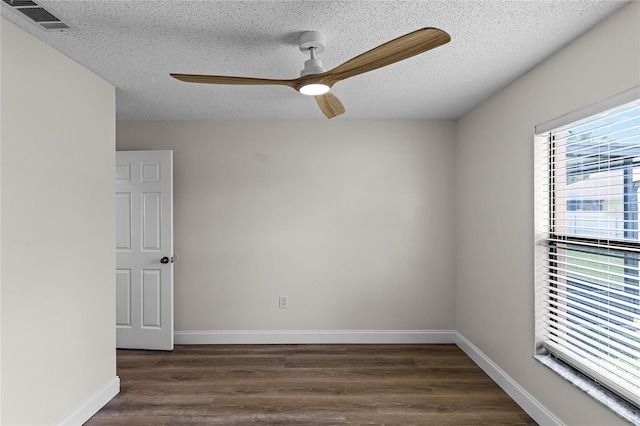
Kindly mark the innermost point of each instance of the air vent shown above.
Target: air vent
(55, 26)
(37, 14)
(20, 3)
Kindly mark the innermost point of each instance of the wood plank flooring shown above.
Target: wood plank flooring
(306, 385)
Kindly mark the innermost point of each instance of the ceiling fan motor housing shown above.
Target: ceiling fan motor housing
(312, 66)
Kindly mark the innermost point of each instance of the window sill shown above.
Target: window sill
(599, 393)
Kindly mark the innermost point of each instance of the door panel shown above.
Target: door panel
(123, 220)
(151, 296)
(151, 221)
(123, 297)
(144, 235)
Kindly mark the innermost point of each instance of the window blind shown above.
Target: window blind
(588, 251)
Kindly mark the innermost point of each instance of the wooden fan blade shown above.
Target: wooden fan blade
(330, 104)
(390, 52)
(221, 79)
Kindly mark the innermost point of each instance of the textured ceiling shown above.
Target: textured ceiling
(135, 44)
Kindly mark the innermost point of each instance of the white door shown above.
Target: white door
(144, 249)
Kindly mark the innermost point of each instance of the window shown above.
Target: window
(588, 245)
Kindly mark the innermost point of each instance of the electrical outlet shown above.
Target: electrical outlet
(283, 302)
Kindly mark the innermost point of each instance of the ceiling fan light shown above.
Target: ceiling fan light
(314, 89)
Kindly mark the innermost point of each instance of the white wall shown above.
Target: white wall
(353, 221)
(57, 166)
(494, 159)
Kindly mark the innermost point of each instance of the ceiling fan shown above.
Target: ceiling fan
(315, 81)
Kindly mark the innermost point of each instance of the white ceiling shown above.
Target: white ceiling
(135, 44)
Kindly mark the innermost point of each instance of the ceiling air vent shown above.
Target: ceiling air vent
(20, 3)
(37, 14)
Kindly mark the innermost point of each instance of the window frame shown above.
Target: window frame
(548, 241)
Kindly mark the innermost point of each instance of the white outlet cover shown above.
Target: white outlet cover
(283, 302)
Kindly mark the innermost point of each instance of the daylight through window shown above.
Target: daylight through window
(588, 246)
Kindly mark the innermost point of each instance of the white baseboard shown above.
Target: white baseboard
(92, 404)
(221, 337)
(527, 402)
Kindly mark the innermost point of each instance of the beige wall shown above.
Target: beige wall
(494, 160)
(353, 221)
(57, 167)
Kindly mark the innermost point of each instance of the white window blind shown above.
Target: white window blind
(588, 251)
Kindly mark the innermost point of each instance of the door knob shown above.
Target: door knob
(164, 260)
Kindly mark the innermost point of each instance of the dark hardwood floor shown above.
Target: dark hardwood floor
(306, 385)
